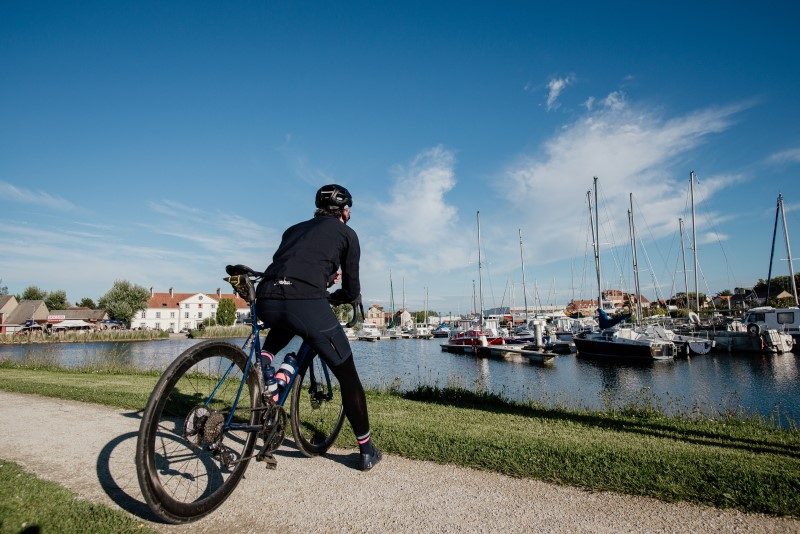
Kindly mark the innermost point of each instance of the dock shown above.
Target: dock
(502, 352)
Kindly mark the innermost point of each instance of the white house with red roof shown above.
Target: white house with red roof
(174, 312)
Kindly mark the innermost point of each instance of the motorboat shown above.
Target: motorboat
(369, 332)
(441, 331)
(422, 331)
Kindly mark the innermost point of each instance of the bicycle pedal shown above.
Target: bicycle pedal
(269, 461)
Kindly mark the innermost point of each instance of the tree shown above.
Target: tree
(226, 312)
(725, 293)
(419, 316)
(86, 302)
(3, 288)
(343, 312)
(56, 300)
(32, 293)
(123, 300)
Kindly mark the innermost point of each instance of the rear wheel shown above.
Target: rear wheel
(187, 460)
(317, 411)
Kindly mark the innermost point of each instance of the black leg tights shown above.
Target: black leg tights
(353, 398)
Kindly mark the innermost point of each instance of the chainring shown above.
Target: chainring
(273, 428)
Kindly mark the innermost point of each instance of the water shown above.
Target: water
(747, 384)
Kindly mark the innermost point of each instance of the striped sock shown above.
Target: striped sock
(365, 443)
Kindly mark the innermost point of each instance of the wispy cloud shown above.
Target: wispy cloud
(791, 155)
(28, 196)
(554, 89)
(631, 149)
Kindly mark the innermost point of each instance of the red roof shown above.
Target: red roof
(165, 300)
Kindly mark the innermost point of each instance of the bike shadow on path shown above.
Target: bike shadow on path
(289, 449)
(117, 476)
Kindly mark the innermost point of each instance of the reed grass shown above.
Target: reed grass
(85, 336)
(218, 331)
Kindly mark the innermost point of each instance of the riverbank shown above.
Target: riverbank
(727, 463)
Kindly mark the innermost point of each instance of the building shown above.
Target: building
(25, 314)
(376, 316)
(93, 317)
(175, 312)
(7, 303)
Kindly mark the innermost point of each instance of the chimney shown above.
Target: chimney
(151, 291)
(219, 292)
(171, 293)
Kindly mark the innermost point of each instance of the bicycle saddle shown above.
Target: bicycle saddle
(237, 269)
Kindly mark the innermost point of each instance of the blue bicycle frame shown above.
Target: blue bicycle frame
(304, 354)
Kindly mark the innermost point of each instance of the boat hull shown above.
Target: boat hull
(608, 350)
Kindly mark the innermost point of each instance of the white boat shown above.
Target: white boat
(369, 332)
(422, 331)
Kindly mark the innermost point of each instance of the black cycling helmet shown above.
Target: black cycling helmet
(333, 195)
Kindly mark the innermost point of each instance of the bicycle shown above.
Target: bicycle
(200, 426)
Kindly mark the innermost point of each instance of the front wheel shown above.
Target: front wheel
(317, 411)
(188, 457)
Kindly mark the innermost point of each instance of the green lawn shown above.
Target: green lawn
(27, 502)
(747, 465)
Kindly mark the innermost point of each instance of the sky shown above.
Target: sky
(157, 142)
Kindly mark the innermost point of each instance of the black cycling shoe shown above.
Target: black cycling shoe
(368, 461)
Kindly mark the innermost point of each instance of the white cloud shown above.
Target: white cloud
(711, 238)
(554, 88)
(630, 149)
(417, 215)
(791, 155)
(39, 198)
(589, 103)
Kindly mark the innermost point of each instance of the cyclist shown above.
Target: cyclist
(293, 300)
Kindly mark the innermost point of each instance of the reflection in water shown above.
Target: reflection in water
(713, 384)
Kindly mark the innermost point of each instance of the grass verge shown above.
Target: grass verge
(30, 504)
(743, 464)
(239, 330)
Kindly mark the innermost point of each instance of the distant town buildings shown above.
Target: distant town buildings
(174, 312)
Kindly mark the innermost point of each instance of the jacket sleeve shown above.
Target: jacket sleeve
(351, 285)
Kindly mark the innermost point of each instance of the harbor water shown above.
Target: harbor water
(712, 385)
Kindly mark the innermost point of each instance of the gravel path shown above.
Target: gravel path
(89, 449)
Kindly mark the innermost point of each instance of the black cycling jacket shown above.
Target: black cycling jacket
(308, 257)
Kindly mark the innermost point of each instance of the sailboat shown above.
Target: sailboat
(423, 330)
(470, 335)
(393, 330)
(613, 341)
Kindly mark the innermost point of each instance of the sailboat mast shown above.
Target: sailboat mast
(522, 263)
(683, 256)
(772, 250)
(596, 235)
(788, 249)
(391, 297)
(426, 306)
(636, 285)
(694, 243)
(480, 277)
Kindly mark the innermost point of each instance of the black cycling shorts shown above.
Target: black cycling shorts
(313, 320)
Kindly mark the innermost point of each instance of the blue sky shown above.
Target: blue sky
(156, 142)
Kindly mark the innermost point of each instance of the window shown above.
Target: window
(158, 315)
(213, 306)
(143, 314)
(186, 305)
(142, 326)
(186, 315)
(785, 317)
(199, 315)
(172, 326)
(200, 297)
(171, 315)
(158, 326)
(200, 305)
